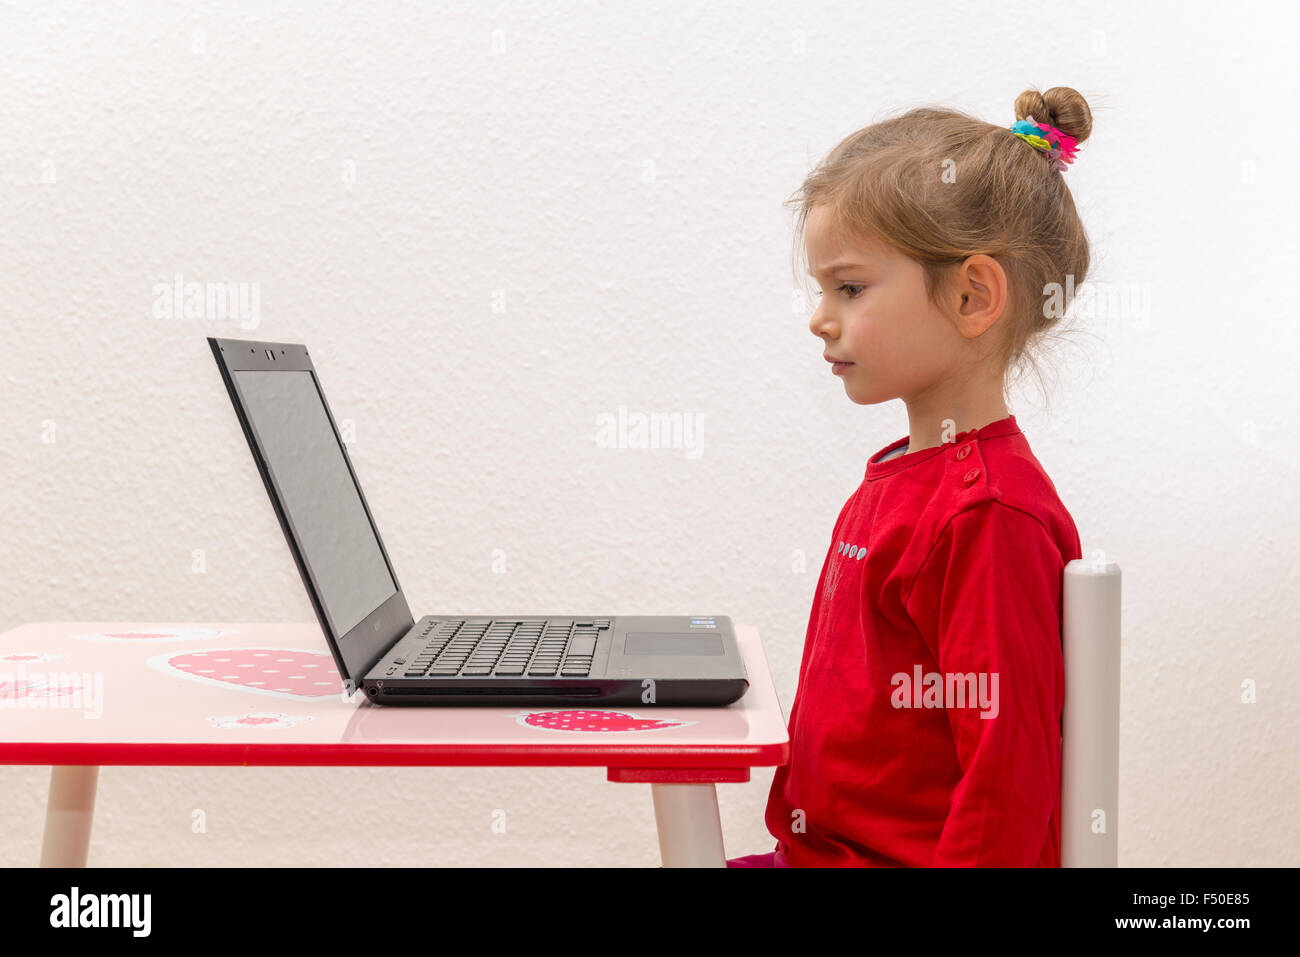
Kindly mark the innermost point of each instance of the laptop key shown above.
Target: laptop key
(580, 647)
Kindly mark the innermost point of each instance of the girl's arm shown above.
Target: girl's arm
(988, 602)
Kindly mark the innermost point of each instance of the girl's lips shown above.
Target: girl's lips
(839, 367)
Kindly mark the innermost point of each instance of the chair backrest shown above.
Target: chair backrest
(1090, 725)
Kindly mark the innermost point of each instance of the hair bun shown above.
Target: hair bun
(1061, 106)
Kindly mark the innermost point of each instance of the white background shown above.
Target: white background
(614, 174)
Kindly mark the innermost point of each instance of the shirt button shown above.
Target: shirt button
(971, 476)
(963, 452)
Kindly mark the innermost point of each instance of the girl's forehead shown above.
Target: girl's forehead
(829, 244)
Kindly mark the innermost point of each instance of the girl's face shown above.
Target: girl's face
(874, 314)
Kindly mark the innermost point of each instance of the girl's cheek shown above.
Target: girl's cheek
(862, 336)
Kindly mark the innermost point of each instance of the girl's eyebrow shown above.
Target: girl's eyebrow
(838, 265)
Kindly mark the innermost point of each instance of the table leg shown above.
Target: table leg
(690, 829)
(69, 812)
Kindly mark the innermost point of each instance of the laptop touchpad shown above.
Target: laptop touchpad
(663, 643)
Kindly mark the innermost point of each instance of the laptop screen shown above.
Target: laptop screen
(334, 534)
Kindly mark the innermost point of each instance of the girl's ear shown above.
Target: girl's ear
(980, 291)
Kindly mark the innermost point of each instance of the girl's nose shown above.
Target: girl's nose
(821, 325)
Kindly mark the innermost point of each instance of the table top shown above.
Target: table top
(148, 693)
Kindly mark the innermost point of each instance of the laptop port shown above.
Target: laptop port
(571, 692)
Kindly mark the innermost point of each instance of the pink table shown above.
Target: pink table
(78, 695)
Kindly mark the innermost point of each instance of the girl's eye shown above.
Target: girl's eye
(852, 290)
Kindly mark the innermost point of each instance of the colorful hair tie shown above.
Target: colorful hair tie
(1060, 147)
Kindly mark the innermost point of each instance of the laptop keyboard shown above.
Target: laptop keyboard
(536, 647)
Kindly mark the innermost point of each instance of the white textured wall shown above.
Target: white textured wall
(386, 176)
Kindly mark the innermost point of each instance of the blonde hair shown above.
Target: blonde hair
(939, 185)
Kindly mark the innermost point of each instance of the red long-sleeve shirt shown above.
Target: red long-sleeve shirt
(945, 574)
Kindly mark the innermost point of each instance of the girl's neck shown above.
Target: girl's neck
(932, 423)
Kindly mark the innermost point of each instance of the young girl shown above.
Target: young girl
(926, 730)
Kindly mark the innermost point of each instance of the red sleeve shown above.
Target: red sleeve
(987, 600)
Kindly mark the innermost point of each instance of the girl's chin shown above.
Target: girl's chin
(861, 396)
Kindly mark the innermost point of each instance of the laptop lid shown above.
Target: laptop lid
(317, 499)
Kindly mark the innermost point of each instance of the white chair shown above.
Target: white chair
(1090, 725)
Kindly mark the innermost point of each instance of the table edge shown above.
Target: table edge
(372, 755)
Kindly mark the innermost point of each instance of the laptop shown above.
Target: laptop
(453, 659)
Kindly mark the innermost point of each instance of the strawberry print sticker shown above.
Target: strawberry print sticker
(281, 672)
(162, 634)
(258, 719)
(31, 688)
(23, 657)
(594, 721)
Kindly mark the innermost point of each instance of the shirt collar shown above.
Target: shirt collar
(879, 469)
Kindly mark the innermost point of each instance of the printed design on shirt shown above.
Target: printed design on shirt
(845, 553)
